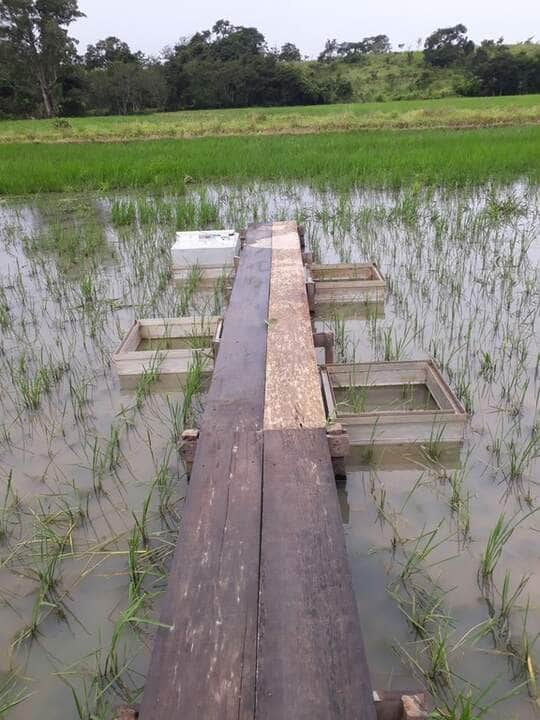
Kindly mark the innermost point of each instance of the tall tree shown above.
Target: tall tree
(37, 31)
(289, 52)
(447, 46)
(108, 51)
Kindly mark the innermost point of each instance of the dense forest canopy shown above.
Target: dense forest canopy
(42, 73)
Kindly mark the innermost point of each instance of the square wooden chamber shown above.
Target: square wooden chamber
(345, 284)
(169, 343)
(213, 253)
(393, 403)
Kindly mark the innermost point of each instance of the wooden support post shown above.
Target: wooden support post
(326, 341)
(414, 707)
(217, 339)
(400, 705)
(310, 290)
(188, 446)
(339, 446)
(302, 236)
(126, 712)
(307, 259)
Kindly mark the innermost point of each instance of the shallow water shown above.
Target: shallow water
(463, 286)
(361, 399)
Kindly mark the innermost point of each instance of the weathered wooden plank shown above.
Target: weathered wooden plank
(311, 662)
(310, 658)
(204, 662)
(293, 396)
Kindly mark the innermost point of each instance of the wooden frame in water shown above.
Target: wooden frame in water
(345, 283)
(168, 345)
(213, 252)
(393, 403)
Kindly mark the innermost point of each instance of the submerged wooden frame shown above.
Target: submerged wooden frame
(131, 363)
(345, 283)
(210, 275)
(381, 427)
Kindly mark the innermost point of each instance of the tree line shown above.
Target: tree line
(43, 74)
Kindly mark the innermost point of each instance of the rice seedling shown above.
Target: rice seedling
(423, 607)
(11, 693)
(469, 704)
(148, 379)
(423, 546)
(501, 533)
(393, 346)
(188, 289)
(462, 287)
(192, 388)
(10, 502)
(123, 212)
(434, 446)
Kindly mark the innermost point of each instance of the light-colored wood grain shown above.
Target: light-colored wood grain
(293, 395)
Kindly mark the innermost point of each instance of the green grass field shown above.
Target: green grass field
(404, 114)
(382, 158)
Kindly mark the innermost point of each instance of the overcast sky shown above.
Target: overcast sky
(149, 26)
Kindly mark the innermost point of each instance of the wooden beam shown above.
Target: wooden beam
(204, 661)
(293, 396)
(311, 662)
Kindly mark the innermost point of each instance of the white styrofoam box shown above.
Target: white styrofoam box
(207, 248)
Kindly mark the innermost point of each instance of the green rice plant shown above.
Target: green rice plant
(460, 502)
(508, 600)
(488, 367)
(123, 212)
(498, 537)
(112, 450)
(523, 661)
(388, 159)
(394, 347)
(355, 398)
(148, 378)
(10, 501)
(424, 545)
(148, 212)
(192, 387)
(469, 704)
(176, 419)
(208, 213)
(98, 466)
(503, 209)
(80, 399)
(186, 215)
(11, 693)
(188, 289)
(462, 385)
(88, 292)
(432, 659)
(519, 459)
(433, 448)
(341, 338)
(423, 607)
(5, 315)
(219, 293)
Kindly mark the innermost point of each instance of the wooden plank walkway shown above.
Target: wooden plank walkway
(260, 612)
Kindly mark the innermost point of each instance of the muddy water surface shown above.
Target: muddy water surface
(92, 485)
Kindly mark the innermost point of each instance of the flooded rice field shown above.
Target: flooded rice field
(443, 541)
